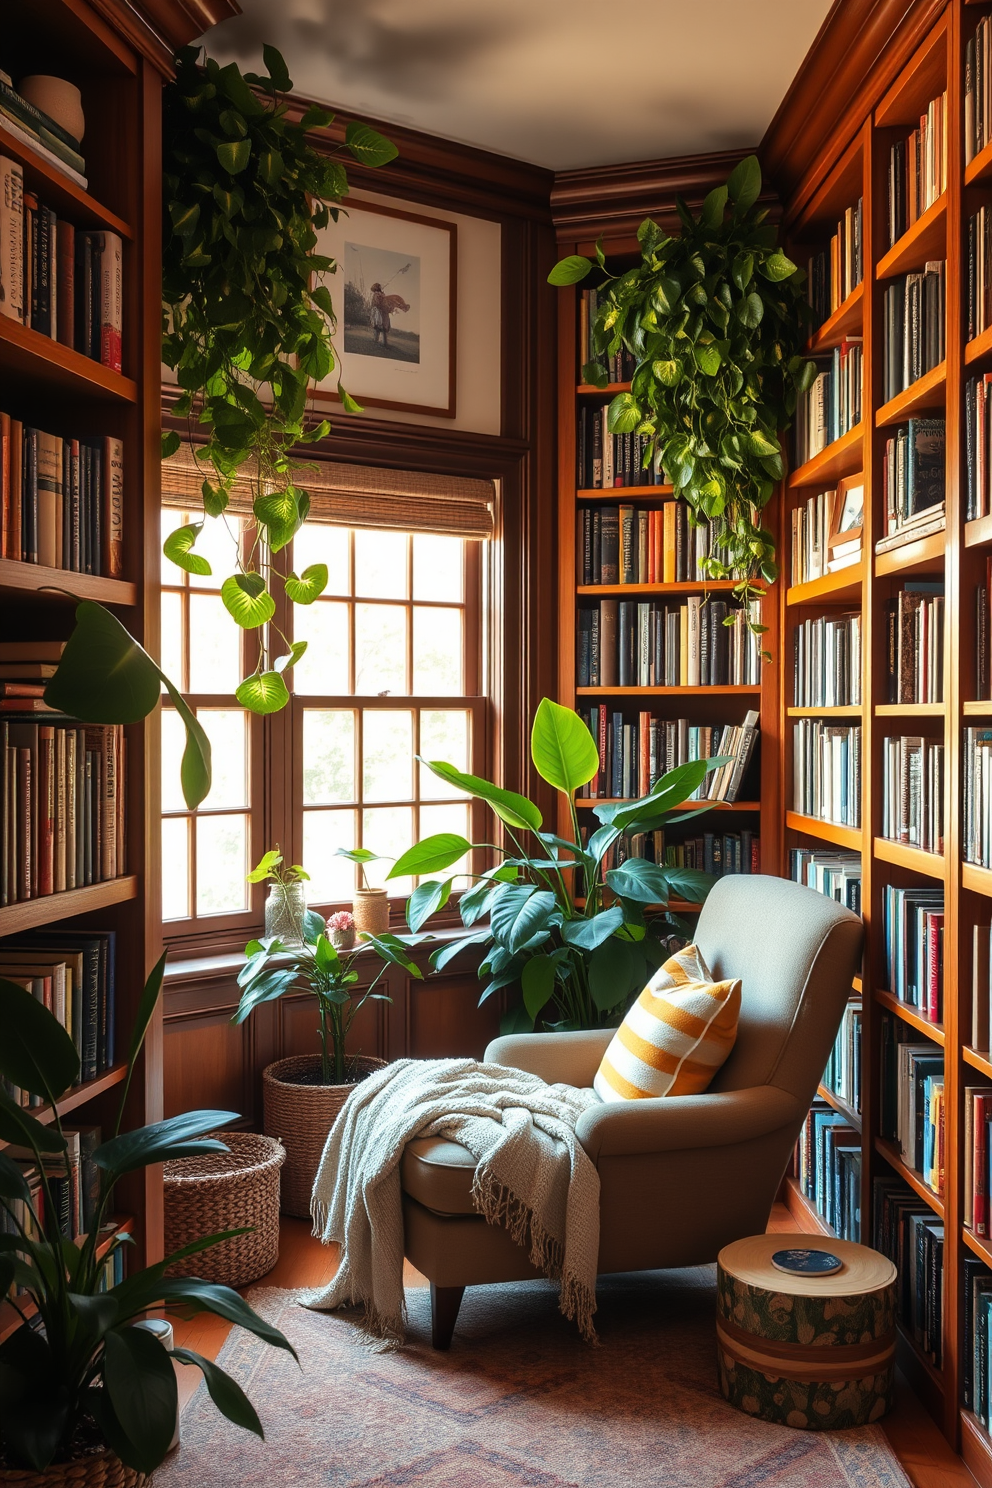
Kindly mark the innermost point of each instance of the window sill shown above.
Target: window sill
(204, 968)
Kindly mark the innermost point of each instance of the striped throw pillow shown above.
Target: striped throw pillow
(675, 1037)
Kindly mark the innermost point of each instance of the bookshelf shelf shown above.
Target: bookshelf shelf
(809, 1216)
(922, 555)
(833, 832)
(80, 1095)
(849, 712)
(843, 457)
(980, 166)
(889, 1151)
(977, 1060)
(626, 494)
(586, 389)
(914, 858)
(978, 880)
(32, 362)
(910, 1015)
(976, 710)
(924, 240)
(849, 1114)
(58, 190)
(62, 585)
(978, 1246)
(927, 392)
(695, 586)
(590, 801)
(976, 1447)
(978, 532)
(979, 346)
(842, 587)
(10, 1318)
(846, 320)
(909, 710)
(695, 692)
(51, 907)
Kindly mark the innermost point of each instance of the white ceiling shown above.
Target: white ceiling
(561, 83)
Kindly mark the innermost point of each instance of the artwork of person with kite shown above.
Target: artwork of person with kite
(384, 305)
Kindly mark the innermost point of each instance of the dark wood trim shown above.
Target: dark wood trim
(158, 28)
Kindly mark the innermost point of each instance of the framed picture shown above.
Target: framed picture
(394, 293)
(848, 513)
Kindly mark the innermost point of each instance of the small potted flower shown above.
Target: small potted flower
(341, 930)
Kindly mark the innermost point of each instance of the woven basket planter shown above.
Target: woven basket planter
(301, 1116)
(102, 1470)
(224, 1191)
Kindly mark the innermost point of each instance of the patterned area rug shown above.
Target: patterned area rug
(519, 1402)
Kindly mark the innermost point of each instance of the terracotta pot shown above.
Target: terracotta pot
(371, 911)
(301, 1115)
(59, 99)
(101, 1470)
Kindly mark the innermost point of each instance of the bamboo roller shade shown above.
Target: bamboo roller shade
(356, 496)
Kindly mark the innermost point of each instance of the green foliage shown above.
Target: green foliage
(248, 317)
(716, 320)
(87, 1359)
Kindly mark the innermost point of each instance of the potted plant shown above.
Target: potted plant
(370, 907)
(303, 1094)
(87, 1399)
(573, 936)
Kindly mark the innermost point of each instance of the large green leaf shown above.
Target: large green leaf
(368, 145)
(432, 855)
(36, 1053)
(616, 968)
(562, 748)
(637, 879)
(20, 1128)
(537, 981)
(247, 600)
(275, 66)
(510, 807)
(518, 912)
(209, 1296)
(744, 183)
(141, 1383)
(225, 1392)
(234, 155)
(690, 883)
(311, 583)
(162, 1140)
(588, 934)
(778, 267)
(195, 765)
(178, 549)
(570, 270)
(263, 692)
(34, 1401)
(426, 899)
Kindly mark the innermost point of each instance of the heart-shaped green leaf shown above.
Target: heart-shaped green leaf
(262, 692)
(311, 583)
(570, 270)
(234, 155)
(368, 145)
(744, 183)
(247, 603)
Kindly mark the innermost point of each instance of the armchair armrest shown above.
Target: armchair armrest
(558, 1058)
(681, 1122)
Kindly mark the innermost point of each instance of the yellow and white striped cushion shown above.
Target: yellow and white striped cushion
(675, 1037)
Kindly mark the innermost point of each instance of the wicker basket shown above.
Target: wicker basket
(301, 1117)
(102, 1470)
(223, 1191)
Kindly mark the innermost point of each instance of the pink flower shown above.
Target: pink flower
(343, 920)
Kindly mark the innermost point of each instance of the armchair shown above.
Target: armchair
(681, 1176)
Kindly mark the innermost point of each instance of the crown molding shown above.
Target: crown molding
(158, 28)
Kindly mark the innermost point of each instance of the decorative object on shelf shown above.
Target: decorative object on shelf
(568, 932)
(104, 1380)
(233, 1190)
(397, 304)
(246, 196)
(370, 907)
(341, 930)
(767, 1320)
(300, 1109)
(285, 903)
(59, 99)
(716, 319)
(846, 522)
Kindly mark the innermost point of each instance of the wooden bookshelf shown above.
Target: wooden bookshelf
(11, 1317)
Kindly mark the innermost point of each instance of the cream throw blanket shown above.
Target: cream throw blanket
(533, 1177)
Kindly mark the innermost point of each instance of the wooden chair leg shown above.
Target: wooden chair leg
(445, 1302)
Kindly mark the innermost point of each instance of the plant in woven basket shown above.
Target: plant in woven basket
(85, 1375)
(274, 967)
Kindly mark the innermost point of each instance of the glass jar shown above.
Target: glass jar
(285, 905)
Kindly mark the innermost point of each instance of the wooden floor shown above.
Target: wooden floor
(926, 1458)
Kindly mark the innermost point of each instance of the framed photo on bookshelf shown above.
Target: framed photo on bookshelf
(394, 294)
(847, 520)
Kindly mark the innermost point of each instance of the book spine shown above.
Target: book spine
(111, 299)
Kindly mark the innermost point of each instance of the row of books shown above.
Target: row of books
(826, 771)
(978, 446)
(913, 791)
(913, 933)
(820, 540)
(606, 460)
(907, 1230)
(701, 643)
(718, 853)
(913, 337)
(57, 279)
(833, 873)
(624, 545)
(619, 365)
(976, 773)
(71, 973)
(842, 1074)
(61, 500)
(978, 280)
(918, 169)
(914, 622)
(981, 986)
(827, 662)
(913, 482)
(832, 404)
(915, 1074)
(32, 126)
(838, 269)
(976, 1145)
(632, 756)
(983, 635)
(978, 90)
(976, 1333)
(828, 1169)
(73, 1182)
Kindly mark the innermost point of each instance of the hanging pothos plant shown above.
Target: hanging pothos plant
(716, 320)
(248, 321)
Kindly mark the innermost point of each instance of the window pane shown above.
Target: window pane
(175, 868)
(381, 564)
(387, 746)
(227, 732)
(453, 818)
(221, 864)
(323, 669)
(387, 830)
(438, 567)
(380, 649)
(218, 543)
(331, 878)
(214, 646)
(444, 736)
(317, 543)
(173, 744)
(328, 757)
(171, 646)
(437, 651)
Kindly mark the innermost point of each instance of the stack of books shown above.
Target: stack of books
(913, 928)
(57, 279)
(633, 756)
(976, 1333)
(910, 1234)
(918, 169)
(978, 90)
(913, 791)
(913, 1107)
(72, 974)
(606, 460)
(812, 553)
(61, 500)
(977, 1119)
(978, 445)
(913, 328)
(834, 874)
(826, 771)
(621, 545)
(836, 272)
(47, 138)
(843, 1070)
(976, 774)
(619, 365)
(914, 622)
(827, 662)
(832, 404)
(913, 483)
(978, 284)
(828, 1169)
(701, 643)
(981, 987)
